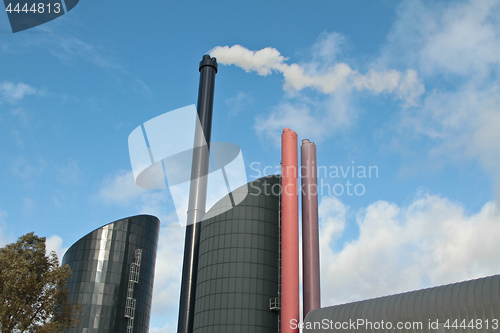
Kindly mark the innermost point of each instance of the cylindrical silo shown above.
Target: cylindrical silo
(238, 262)
(112, 275)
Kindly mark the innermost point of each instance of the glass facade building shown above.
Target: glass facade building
(112, 276)
(238, 262)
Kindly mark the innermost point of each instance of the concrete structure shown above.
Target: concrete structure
(474, 305)
(238, 263)
(113, 271)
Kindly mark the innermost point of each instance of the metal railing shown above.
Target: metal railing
(133, 279)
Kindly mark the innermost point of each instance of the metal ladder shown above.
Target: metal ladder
(133, 279)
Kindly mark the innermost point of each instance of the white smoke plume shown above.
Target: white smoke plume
(405, 86)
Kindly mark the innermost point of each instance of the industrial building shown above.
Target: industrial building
(112, 276)
(238, 263)
(470, 306)
(245, 271)
(228, 275)
(241, 260)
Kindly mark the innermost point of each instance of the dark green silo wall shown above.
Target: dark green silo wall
(238, 263)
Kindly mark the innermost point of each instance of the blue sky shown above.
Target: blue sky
(411, 87)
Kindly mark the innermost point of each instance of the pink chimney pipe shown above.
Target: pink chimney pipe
(289, 232)
(310, 232)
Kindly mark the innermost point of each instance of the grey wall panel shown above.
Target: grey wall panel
(100, 262)
(477, 300)
(238, 263)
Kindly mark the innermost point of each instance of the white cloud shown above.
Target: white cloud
(28, 171)
(294, 115)
(432, 241)
(70, 173)
(3, 240)
(333, 109)
(238, 103)
(321, 117)
(329, 80)
(68, 49)
(326, 50)
(54, 243)
(454, 39)
(312, 118)
(141, 88)
(120, 188)
(465, 123)
(168, 271)
(29, 204)
(13, 93)
(22, 123)
(168, 328)
(455, 48)
(22, 116)
(262, 61)
(333, 219)
(429, 242)
(465, 39)
(71, 50)
(157, 203)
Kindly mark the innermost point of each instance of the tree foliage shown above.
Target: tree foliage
(33, 292)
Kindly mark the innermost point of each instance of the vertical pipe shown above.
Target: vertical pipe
(310, 233)
(289, 232)
(197, 194)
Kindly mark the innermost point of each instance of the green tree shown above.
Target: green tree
(33, 292)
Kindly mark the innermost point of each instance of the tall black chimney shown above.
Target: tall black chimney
(197, 194)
